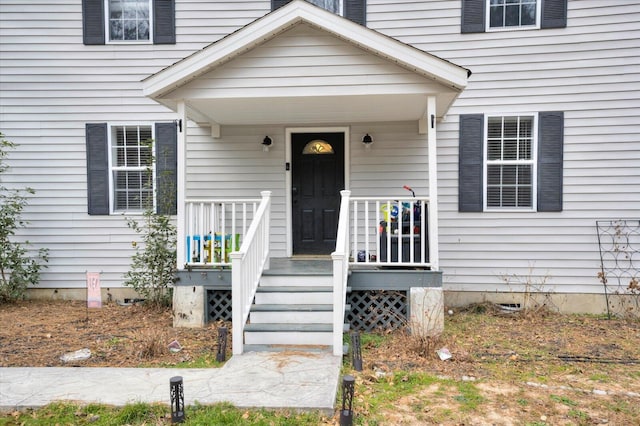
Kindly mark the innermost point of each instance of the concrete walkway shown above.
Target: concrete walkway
(296, 380)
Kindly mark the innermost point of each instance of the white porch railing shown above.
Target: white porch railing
(215, 228)
(390, 231)
(340, 273)
(247, 266)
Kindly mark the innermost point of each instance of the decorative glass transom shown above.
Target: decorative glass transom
(317, 146)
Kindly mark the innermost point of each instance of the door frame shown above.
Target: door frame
(288, 177)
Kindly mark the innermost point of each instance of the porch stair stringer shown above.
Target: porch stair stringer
(291, 312)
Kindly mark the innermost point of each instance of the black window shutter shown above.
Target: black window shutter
(97, 169)
(356, 10)
(93, 22)
(554, 14)
(550, 157)
(164, 22)
(278, 3)
(166, 168)
(470, 168)
(473, 16)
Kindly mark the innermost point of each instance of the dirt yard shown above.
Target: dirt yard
(505, 369)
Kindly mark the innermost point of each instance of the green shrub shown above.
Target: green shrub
(17, 268)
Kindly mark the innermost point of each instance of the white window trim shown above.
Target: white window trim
(533, 162)
(110, 127)
(107, 28)
(489, 28)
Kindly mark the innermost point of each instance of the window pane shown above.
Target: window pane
(142, 9)
(143, 30)
(496, 16)
(524, 197)
(508, 196)
(509, 175)
(115, 30)
(493, 196)
(330, 5)
(524, 149)
(115, 10)
(510, 127)
(494, 175)
(510, 150)
(528, 14)
(494, 151)
(524, 174)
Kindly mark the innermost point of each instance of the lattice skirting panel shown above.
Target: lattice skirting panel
(218, 305)
(375, 310)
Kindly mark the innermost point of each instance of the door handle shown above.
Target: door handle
(294, 193)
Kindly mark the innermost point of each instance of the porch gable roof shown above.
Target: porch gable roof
(452, 78)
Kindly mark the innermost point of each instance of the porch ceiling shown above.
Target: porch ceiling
(236, 81)
(308, 110)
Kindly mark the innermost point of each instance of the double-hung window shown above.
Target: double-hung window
(510, 162)
(129, 20)
(132, 168)
(478, 16)
(512, 13)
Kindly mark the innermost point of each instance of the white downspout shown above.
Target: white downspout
(433, 184)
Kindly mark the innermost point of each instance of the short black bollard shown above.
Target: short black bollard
(177, 399)
(221, 356)
(348, 390)
(356, 351)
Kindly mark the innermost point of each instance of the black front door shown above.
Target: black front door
(317, 179)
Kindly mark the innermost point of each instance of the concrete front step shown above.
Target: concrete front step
(289, 348)
(294, 295)
(291, 314)
(288, 334)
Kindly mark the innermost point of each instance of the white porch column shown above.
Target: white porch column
(433, 184)
(181, 183)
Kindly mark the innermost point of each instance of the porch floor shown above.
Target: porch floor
(295, 380)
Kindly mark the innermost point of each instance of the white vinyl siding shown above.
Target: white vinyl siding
(52, 85)
(586, 70)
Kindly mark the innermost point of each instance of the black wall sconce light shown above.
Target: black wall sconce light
(367, 140)
(266, 143)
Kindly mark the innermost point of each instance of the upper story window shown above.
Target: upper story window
(129, 20)
(512, 13)
(132, 168)
(478, 16)
(510, 162)
(354, 10)
(331, 5)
